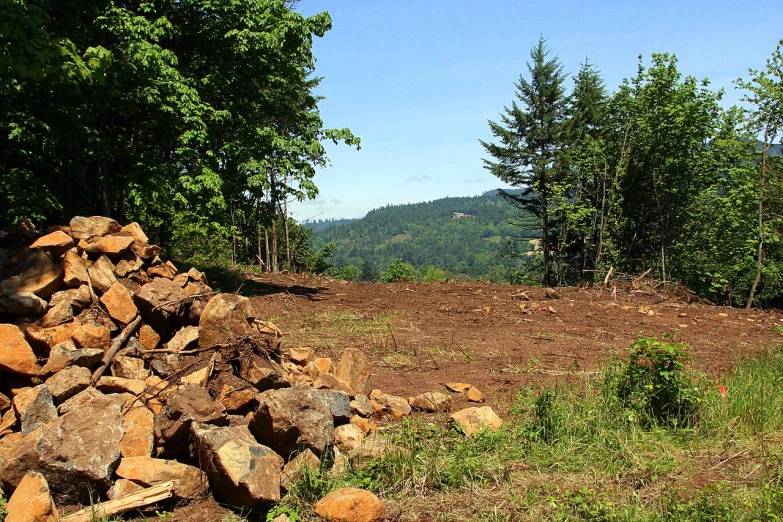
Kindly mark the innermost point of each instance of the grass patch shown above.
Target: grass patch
(644, 440)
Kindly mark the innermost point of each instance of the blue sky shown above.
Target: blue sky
(418, 80)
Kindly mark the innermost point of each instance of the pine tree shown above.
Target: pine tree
(529, 140)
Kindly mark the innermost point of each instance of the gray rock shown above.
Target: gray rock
(76, 453)
(295, 418)
(242, 472)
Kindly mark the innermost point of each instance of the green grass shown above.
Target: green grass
(575, 451)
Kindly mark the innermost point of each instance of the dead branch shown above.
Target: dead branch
(183, 299)
(106, 510)
(608, 275)
(116, 346)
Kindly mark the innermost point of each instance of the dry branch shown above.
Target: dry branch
(116, 346)
(146, 497)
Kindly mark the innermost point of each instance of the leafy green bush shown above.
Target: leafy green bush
(399, 270)
(653, 387)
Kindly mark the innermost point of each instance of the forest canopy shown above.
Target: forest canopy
(197, 118)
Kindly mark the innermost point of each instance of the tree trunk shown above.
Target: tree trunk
(287, 241)
(760, 250)
(275, 267)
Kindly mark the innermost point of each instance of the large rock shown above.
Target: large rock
(348, 437)
(129, 262)
(40, 337)
(37, 274)
(242, 472)
(472, 420)
(64, 305)
(56, 243)
(75, 268)
(119, 303)
(101, 274)
(354, 369)
(139, 439)
(67, 354)
(158, 303)
(260, 373)
(183, 339)
(32, 501)
(294, 418)
(183, 407)
(190, 483)
(16, 356)
(35, 408)
(148, 337)
(68, 382)
(22, 303)
(92, 335)
(87, 227)
(226, 318)
(112, 245)
(350, 505)
(77, 453)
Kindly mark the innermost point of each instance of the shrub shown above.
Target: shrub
(653, 388)
(399, 270)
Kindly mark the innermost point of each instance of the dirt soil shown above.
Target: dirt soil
(426, 334)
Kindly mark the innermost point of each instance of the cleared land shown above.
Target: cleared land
(563, 454)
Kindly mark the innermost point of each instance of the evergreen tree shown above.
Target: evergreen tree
(529, 140)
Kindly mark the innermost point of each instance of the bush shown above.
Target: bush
(653, 388)
(399, 270)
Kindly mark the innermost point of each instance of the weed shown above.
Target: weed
(281, 509)
(653, 388)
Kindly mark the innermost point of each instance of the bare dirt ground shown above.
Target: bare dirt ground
(422, 335)
(425, 334)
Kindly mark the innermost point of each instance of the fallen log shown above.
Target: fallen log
(105, 510)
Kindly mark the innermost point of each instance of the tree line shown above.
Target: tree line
(197, 118)
(656, 176)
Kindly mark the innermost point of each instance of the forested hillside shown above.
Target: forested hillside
(467, 236)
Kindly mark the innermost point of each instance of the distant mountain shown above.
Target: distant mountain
(463, 235)
(325, 224)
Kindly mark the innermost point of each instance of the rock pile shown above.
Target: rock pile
(123, 378)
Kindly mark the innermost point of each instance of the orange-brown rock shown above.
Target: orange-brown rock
(139, 439)
(16, 356)
(135, 230)
(350, 505)
(430, 401)
(354, 369)
(472, 420)
(128, 262)
(22, 303)
(367, 426)
(64, 305)
(56, 243)
(458, 387)
(145, 251)
(180, 280)
(327, 381)
(123, 487)
(301, 355)
(102, 274)
(31, 502)
(68, 382)
(87, 227)
(161, 270)
(190, 483)
(320, 365)
(348, 437)
(91, 335)
(119, 303)
(474, 395)
(129, 368)
(67, 354)
(5, 402)
(112, 245)
(50, 337)
(158, 302)
(148, 337)
(120, 385)
(305, 460)
(37, 274)
(237, 395)
(225, 319)
(75, 269)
